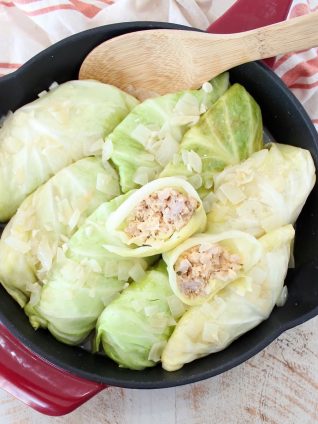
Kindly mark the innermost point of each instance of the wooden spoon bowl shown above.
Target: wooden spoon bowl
(153, 62)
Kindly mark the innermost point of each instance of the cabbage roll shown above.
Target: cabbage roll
(238, 308)
(265, 192)
(60, 127)
(148, 137)
(204, 264)
(229, 132)
(83, 279)
(135, 327)
(47, 218)
(155, 219)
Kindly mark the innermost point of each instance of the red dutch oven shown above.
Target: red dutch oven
(54, 378)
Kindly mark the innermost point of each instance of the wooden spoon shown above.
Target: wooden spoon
(151, 62)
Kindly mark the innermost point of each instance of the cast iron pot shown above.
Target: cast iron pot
(285, 120)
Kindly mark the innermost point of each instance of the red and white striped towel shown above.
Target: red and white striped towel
(28, 26)
(300, 70)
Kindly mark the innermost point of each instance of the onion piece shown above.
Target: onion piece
(282, 298)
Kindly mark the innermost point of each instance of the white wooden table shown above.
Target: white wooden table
(278, 386)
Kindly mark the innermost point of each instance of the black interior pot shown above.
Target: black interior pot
(285, 119)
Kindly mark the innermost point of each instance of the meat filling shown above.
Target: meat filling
(202, 263)
(158, 216)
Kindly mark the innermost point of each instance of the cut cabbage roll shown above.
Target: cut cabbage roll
(155, 219)
(83, 279)
(238, 308)
(229, 132)
(149, 136)
(204, 264)
(60, 127)
(47, 218)
(266, 191)
(135, 327)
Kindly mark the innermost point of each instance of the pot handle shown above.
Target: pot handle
(38, 383)
(245, 15)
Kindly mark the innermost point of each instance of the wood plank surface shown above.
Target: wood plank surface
(277, 386)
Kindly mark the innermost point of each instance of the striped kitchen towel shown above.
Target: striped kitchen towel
(28, 26)
(300, 70)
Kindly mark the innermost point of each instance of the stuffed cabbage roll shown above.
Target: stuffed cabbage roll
(204, 264)
(83, 279)
(266, 191)
(155, 219)
(60, 127)
(238, 308)
(135, 327)
(47, 218)
(229, 132)
(149, 136)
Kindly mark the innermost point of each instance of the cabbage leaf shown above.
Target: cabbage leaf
(83, 280)
(63, 126)
(121, 244)
(134, 328)
(46, 220)
(238, 308)
(266, 191)
(229, 132)
(146, 140)
(192, 290)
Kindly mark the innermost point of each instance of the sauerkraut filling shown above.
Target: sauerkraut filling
(197, 266)
(159, 216)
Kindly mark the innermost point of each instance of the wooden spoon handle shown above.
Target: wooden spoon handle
(296, 34)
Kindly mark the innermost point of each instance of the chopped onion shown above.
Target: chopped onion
(156, 351)
(187, 105)
(195, 181)
(45, 255)
(137, 272)
(93, 264)
(203, 108)
(142, 134)
(35, 290)
(177, 308)
(143, 175)
(17, 244)
(208, 202)
(53, 86)
(123, 271)
(291, 263)
(110, 269)
(234, 194)
(209, 183)
(207, 87)
(184, 120)
(191, 160)
(107, 149)
(210, 332)
(282, 298)
(104, 183)
(95, 148)
(42, 93)
(5, 117)
(167, 149)
(73, 221)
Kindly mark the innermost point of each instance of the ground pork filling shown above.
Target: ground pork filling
(202, 263)
(159, 215)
